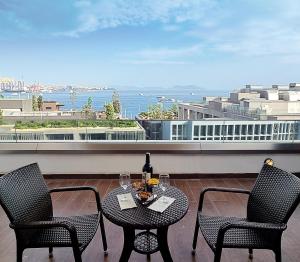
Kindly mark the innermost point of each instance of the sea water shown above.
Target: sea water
(132, 101)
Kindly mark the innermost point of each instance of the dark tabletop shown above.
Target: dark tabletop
(142, 217)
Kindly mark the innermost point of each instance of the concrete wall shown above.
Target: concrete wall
(175, 158)
(172, 163)
(24, 105)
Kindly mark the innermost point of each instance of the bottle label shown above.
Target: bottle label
(144, 177)
(148, 176)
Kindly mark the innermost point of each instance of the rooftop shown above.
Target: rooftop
(180, 234)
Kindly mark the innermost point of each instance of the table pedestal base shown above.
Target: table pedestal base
(146, 242)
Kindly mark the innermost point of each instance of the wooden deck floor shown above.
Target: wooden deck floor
(180, 234)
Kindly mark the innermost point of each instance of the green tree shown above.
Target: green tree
(116, 102)
(34, 103)
(155, 111)
(40, 102)
(87, 109)
(172, 113)
(109, 111)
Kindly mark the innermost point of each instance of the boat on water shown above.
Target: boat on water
(141, 94)
(170, 100)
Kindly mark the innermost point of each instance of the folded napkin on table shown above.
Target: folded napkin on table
(161, 204)
(127, 203)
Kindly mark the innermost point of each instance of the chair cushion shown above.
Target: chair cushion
(234, 238)
(86, 227)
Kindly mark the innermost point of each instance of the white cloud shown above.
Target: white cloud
(275, 32)
(94, 15)
(260, 38)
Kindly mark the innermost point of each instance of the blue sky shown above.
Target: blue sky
(215, 44)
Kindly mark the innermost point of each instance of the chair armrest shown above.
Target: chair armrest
(48, 224)
(253, 225)
(219, 189)
(247, 225)
(80, 188)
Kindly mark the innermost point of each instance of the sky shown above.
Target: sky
(220, 44)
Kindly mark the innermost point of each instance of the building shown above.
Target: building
(16, 105)
(230, 130)
(11, 85)
(9, 133)
(51, 106)
(153, 128)
(254, 102)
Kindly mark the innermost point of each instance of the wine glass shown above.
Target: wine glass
(164, 182)
(124, 181)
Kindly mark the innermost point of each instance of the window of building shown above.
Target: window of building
(250, 129)
(210, 130)
(180, 130)
(224, 130)
(237, 129)
(203, 130)
(60, 136)
(174, 130)
(244, 129)
(281, 128)
(263, 129)
(269, 129)
(256, 130)
(217, 130)
(196, 130)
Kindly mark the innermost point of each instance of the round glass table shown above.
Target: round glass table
(145, 219)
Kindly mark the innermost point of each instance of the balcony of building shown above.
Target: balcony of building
(192, 166)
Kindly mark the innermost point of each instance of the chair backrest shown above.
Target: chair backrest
(24, 195)
(274, 197)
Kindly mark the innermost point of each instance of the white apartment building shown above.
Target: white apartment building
(230, 130)
(281, 102)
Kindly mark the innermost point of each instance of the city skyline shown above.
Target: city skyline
(212, 44)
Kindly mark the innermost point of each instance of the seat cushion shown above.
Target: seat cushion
(86, 227)
(234, 238)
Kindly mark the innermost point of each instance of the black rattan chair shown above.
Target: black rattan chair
(271, 202)
(26, 200)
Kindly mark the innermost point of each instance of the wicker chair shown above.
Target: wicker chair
(271, 202)
(26, 200)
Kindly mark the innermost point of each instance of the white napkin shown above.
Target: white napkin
(161, 204)
(127, 203)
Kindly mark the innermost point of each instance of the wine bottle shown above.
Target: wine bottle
(147, 168)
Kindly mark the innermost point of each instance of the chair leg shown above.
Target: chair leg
(278, 255)
(195, 236)
(50, 251)
(103, 234)
(19, 253)
(77, 254)
(148, 255)
(218, 254)
(250, 253)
